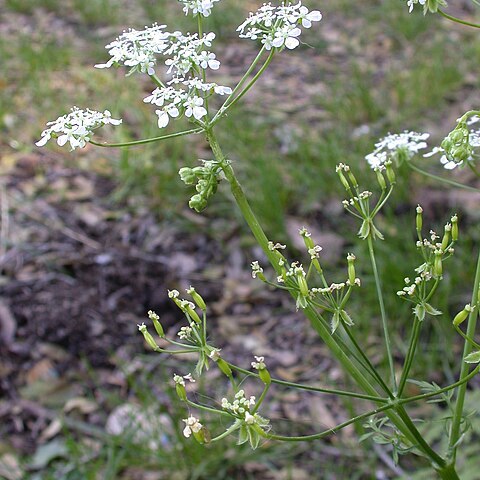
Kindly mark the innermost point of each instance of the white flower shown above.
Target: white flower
(137, 48)
(202, 7)
(409, 142)
(76, 127)
(179, 380)
(192, 425)
(194, 107)
(256, 269)
(165, 114)
(411, 3)
(259, 364)
(277, 27)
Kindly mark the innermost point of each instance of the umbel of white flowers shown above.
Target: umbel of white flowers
(186, 57)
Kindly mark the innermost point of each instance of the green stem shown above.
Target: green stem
(301, 386)
(370, 365)
(410, 356)
(148, 140)
(458, 20)
(322, 329)
(459, 406)
(441, 179)
(199, 406)
(382, 312)
(260, 399)
(467, 338)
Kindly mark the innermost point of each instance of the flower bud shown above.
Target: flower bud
(461, 316)
(156, 323)
(454, 221)
(307, 238)
(197, 298)
(187, 175)
(197, 203)
(351, 268)
(419, 218)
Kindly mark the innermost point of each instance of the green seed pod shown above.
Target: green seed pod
(390, 173)
(196, 297)
(148, 338)
(351, 268)
(302, 284)
(158, 328)
(352, 178)
(224, 367)
(380, 179)
(454, 221)
(446, 236)
(192, 314)
(265, 377)
(461, 316)
(437, 264)
(181, 392)
(419, 218)
(343, 180)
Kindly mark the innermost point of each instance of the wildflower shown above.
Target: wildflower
(202, 7)
(278, 27)
(259, 364)
(411, 3)
(256, 269)
(76, 127)
(398, 145)
(194, 107)
(179, 380)
(192, 425)
(138, 49)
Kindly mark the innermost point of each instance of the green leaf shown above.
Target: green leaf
(335, 321)
(473, 357)
(346, 318)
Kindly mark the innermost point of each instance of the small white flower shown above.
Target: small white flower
(194, 107)
(76, 127)
(259, 364)
(181, 380)
(202, 7)
(192, 425)
(256, 269)
(411, 3)
(409, 142)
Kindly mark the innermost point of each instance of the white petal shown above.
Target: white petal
(62, 140)
(43, 141)
(291, 43)
(163, 118)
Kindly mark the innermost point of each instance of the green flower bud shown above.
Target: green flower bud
(187, 176)
(192, 313)
(457, 135)
(197, 298)
(197, 203)
(454, 221)
(461, 316)
(156, 323)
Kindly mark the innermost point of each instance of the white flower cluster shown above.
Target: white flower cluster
(192, 425)
(411, 3)
(240, 406)
(278, 26)
(76, 127)
(451, 163)
(202, 7)
(259, 364)
(179, 380)
(408, 142)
